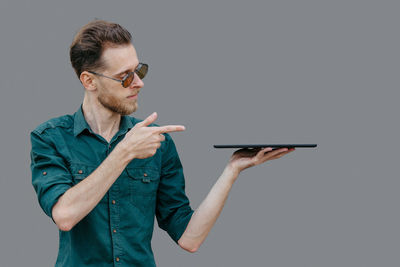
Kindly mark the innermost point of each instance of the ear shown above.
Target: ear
(88, 81)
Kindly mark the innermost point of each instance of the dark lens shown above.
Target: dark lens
(128, 79)
(142, 70)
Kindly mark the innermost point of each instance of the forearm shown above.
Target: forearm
(79, 200)
(209, 210)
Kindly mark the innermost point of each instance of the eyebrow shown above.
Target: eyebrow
(126, 71)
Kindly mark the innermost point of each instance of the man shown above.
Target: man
(103, 176)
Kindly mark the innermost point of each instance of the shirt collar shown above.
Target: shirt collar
(126, 124)
(80, 124)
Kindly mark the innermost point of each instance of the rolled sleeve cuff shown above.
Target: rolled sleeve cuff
(51, 197)
(180, 225)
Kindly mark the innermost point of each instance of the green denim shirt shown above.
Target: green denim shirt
(118, 231)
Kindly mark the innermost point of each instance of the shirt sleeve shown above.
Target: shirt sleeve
(173, 210)
(50, 176)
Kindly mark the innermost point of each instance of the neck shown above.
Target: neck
(101, 120)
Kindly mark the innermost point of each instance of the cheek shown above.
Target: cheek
(110, 90)
(108, 85)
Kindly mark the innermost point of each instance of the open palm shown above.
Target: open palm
(245, 158)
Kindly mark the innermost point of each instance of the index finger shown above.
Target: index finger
(169, 128)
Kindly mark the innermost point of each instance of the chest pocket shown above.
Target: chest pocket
(143, 185)
(80, 172)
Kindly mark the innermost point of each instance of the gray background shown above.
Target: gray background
(298, 71)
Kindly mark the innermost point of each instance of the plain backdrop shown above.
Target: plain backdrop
(282, 71)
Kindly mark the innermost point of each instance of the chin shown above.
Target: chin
(115, 105)
(129, 110)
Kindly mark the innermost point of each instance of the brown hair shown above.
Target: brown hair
(91, 40)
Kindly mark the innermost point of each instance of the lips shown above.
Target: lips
(132, 96)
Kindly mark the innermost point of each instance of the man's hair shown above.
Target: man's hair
(91, 40)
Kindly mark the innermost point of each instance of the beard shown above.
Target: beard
(114, 104)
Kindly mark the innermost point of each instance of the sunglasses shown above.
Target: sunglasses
(127, 80)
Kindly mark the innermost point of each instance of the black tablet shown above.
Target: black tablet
(274, 146)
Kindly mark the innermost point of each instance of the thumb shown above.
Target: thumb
(149, 120)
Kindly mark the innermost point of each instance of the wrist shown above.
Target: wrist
(123, 153)
(232, 171)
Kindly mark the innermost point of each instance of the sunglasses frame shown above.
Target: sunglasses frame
(131, 74)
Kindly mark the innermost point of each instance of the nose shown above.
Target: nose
(137, 82)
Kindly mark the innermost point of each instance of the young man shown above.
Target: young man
(102, 176)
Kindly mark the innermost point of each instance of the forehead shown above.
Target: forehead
(120, 58)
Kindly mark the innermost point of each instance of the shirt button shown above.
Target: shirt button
(113, 201)
(145, 174)
(114, 231)
(117, 259)
(44, 173)
(80, 171)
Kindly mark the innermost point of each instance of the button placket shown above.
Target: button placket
(115, 219)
